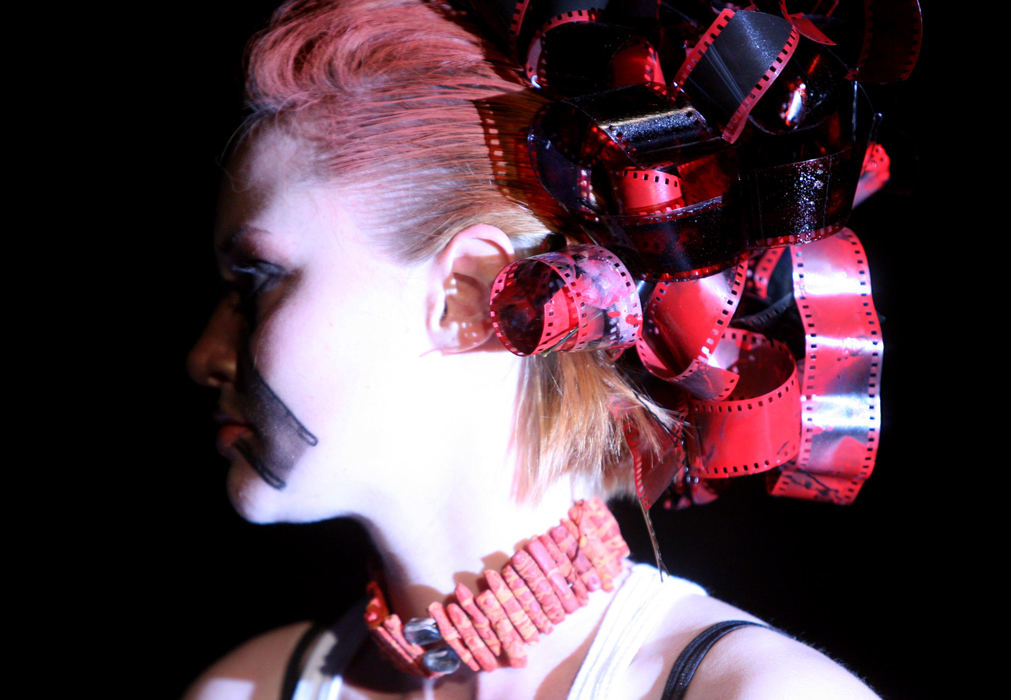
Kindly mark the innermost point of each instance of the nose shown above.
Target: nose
(214, 358)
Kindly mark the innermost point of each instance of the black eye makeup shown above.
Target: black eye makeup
(254, 277)
(246, 279)
(244, 271)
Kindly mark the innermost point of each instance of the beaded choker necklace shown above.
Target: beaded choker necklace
(548, 578)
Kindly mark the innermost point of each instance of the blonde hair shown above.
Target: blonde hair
(399, 101)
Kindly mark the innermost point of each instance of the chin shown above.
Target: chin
(252, 498)
(258, 502)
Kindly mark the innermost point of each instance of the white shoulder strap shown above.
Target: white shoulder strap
(634, 612)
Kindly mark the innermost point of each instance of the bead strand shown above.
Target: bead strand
(548, 578)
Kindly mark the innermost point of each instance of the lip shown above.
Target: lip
(230, 430)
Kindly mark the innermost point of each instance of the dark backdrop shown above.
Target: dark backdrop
(189, 580)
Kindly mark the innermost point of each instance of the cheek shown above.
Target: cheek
(336, 365)
(290, 351)
(342, 351)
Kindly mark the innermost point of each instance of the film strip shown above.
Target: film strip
(874, 173)
(617, 35)
(841, 413)
(761, 272)
(637, 63)
(692, 242)
(880, 40)
(648, 191)
(536, 59)
(735, 63)
(702, 45)
(821, 429)
(649, 138)
(683, 326)
(892, 36)
(807, 28)
(801, 202)
(580, 298)
(735, 126)
(656, 471)
(516, 23)
(757, 427)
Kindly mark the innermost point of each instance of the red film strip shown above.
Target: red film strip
(683, 326)
(893, 35)
(732, 131)
(874, 173)
(516, 23)
(648, 191)
(637, 63)
(579, 298)
(705, 178)
(702, 45)
(805, 26)
(738, 120)
(761, 272)
(799, 238)
(652, 196)
(841, 413)
(655, 472)
(758, 427)
(536, 56)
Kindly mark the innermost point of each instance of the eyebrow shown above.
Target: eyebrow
(232, 240)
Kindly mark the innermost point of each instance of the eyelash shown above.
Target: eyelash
(251, 279)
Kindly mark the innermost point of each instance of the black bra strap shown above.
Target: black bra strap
(689, 659)
(293, 671)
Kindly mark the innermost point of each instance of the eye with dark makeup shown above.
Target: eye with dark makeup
(249, 279)
(252, 278)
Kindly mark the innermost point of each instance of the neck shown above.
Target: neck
(449, 542)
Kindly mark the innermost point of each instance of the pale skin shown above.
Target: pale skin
(395, 371)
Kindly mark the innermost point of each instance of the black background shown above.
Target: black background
(185, 579)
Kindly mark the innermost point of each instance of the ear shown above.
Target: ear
(459, 317)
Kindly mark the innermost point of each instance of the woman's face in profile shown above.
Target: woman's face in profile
(314, 346)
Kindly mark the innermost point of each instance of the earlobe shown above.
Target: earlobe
(462, 275)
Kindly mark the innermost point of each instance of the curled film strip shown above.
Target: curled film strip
(842, 367)
(735, 64)
(684, 324)
(758, 426)
(761, 272)
(580, 298)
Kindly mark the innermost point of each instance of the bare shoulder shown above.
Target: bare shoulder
(750, 662)
(253, 671)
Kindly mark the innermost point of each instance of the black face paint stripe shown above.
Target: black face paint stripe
(262, 470)
(279, 438)
(300, 428)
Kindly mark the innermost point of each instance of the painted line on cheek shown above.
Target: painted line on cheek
(280, 438)
(262, 470)
(299, 427)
